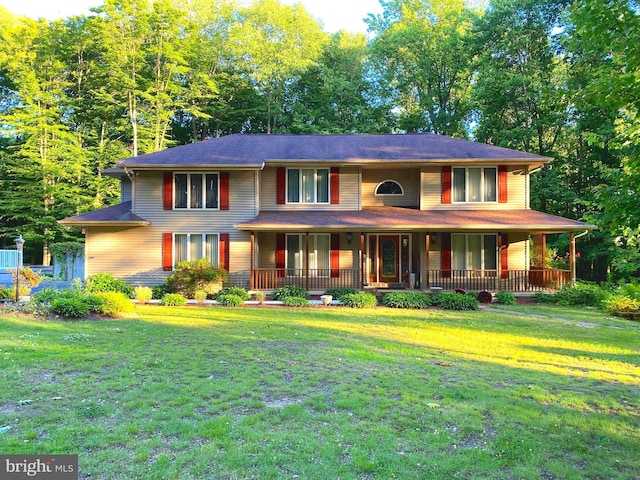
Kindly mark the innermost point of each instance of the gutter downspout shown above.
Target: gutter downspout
(572, 254)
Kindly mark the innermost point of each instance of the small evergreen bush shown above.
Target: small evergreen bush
(506, 298)
(338, 292)
(105, 282)
(406, 300)
(454, 301)
(359, 300)
(230, 300)
(289, 291)
(238, 291)
(295, 302)
(159, 291)
(143, 294)
(114, 303)
(173, 300)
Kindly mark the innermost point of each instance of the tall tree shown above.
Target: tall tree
(44, 171)
(274, 43)
(421, 64)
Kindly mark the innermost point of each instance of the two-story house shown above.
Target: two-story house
(415, 210)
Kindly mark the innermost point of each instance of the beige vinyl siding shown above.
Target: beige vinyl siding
(518, 251)
(408, 179)
(517, 191)
(349, 191)
(136, 253)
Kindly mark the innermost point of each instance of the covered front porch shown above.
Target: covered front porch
(393, 248)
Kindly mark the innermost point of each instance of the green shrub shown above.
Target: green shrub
(200, 296)
(506, 298)
(289, 291)
(69, 307)
(230, 300)
(582, 293)
(173, 300)
(143, 294)
(260, 296)
(406, 300)
(338, 292)
(631, 290)
(159, 291)
(114, 303)
(105, 282)
(46, 295)
(238, 291)
(618, 304)
(545, 297)
(359, 300)
(295, 302)
(4, 293)
(454, 301)
(197, 275)
(24, 291)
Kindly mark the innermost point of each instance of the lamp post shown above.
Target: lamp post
(19, 247)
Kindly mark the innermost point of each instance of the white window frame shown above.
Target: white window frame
(315, 186)
(203, 248)
(298, 263)
(204, 190)
(467, 190)
(467, 251)
(389, 194)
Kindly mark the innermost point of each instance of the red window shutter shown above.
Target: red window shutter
(334, 182)
(281, 185)
(280, 253)
(334, 255)
(504, 255)
(167, 191)
(445, 255)
(502, 184)
(223, 251)
(446, 184)
(167, 252)
(224, 191)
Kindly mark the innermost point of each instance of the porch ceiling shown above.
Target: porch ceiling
(403, 219)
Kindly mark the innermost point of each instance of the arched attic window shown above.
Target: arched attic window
(389, 187)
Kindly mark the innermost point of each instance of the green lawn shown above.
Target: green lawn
(521, 392)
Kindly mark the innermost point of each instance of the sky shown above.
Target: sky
(334, 14)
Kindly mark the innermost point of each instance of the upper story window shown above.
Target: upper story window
(196, 190)
(475, 184)
(307, 185)
(389, 187)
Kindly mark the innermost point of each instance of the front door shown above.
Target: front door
(388, 258)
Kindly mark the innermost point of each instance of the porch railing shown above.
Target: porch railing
(311, 279)
(534, 280)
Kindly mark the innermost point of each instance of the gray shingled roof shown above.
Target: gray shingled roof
(112, 216)
(251, 151)
(397, 218)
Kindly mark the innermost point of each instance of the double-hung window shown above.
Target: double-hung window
(188, 247)
(475, 184)
(307, 185)
(474, 252)
(196, 191)
(319, 246)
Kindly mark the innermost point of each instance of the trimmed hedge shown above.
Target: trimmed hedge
(289, 291)
(406, 300)
(237, 291)
(295, 302)
(454, 301)
(173, 300)
(230, 300)
(359, 300)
